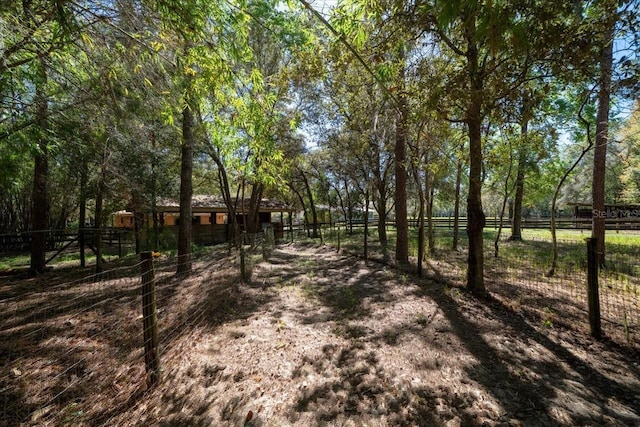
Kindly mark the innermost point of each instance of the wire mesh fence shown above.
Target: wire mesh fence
(77, 350)
(81, 350)
(519, 275)
(50, 339)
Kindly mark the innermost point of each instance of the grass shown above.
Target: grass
(535, 250)
(9, 262)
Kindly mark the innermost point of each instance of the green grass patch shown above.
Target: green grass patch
(534, 251)
(10, 262)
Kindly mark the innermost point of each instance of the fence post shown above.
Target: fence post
(593, 296)
(150, 319)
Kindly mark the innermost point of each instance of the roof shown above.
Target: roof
(208, 203)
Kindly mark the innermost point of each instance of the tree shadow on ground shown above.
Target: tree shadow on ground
(530, 397)
(360, 388)
(529, 390)
(94, 349)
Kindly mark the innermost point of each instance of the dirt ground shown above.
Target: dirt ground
(321, 338)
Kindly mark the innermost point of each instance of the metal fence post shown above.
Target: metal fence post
(593, 296)
(150, 319)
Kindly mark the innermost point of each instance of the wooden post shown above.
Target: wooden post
(150, 320)
(592, 290)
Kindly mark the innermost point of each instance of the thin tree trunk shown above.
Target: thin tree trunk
(602, 139)
(505, 199)
(99, 216)
(402, 224)
(516, 228)
(186, 191)
(138, 218)
(82, 220)
(312, 206)
(456, 207)
(40, 204)
(421, 212)
(554, 241)
(475, 214)
(366, 224)
(430, 237)
(349, 206)
(382, 224)
(154, 195)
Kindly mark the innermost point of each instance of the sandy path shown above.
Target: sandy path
(320, 338)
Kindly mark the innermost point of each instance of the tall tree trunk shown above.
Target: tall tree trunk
(554, 241)
(138, 217)
(421, 211)
(154, 194)
(82, 220)
(430, 234)
(382, 219)
(475, 214)
(99, 220)
(186, 191)
(223, 180)
(456, 206)
(254, 209)
(505, 199)
(400, 151)
(40, 204)
(304, 208)
(349, 207)
(366, 224)
(602, 139)
(516, 228)
(312, 206)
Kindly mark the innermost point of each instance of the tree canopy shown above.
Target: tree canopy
(106, 105)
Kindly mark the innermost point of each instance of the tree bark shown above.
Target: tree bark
(366, 225)
(400, 151)
(421, 210)
(475, 214)
(99, 220)
(138, 218)
(456, 207)
(516, 227)
(40, 204)
(312, 206)
(83, 213)
(602, 139)
(154, 195)
(186, 191)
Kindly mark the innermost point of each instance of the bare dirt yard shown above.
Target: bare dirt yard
(323, 338)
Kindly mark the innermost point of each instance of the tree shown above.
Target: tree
(495, 46)
(602, 132)
(40, 202)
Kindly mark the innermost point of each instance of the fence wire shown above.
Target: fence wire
(72, 350)
(519, 277)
